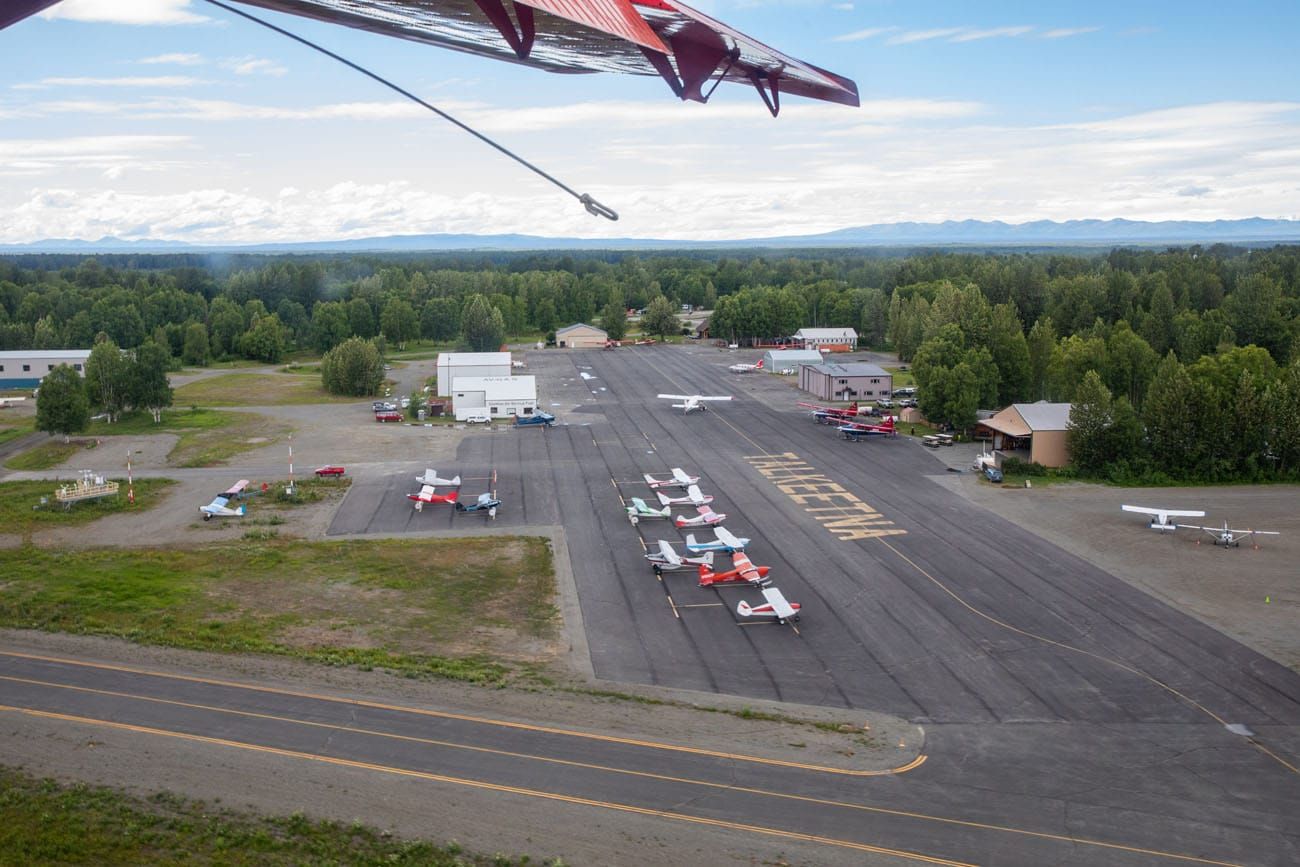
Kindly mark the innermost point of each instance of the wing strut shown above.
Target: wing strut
(773, 82)
(521, 38)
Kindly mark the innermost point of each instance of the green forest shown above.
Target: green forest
(1183, 364)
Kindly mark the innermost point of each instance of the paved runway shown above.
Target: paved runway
(1069, 717)
(853, 818)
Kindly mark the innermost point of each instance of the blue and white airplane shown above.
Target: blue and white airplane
(725, 542)
(220, 508)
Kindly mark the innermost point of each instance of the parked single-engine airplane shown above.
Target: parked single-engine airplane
(428, 495)
(680, 479)
(706, 518)
(857, 430)
(220, 505)
(6, 402)
(1229, 538)
(639, 510)
(831, 414)
(694, 497)
(665, 558)
(692, 402)
(485, 503)
(723, 541)
(430, 477)
(746, 368)
(1160, 517)
(776, 607)
(742, 572)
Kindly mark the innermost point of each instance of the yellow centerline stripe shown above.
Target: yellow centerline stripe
(808, 799)
(656, 745)
(497, 787)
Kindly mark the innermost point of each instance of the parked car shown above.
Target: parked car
(993, 474)
(477, 418)
(388, 415)
(405, 402)
(885, 403)
(908, 402)
(329, 470)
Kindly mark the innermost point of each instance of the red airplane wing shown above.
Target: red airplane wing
(667, 38)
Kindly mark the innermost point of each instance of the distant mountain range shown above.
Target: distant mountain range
(964, 233)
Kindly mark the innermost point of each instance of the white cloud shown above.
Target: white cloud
(859, 35)
(1063, 32)
(253, 66)
(909, 36)
(177, 59)
(822, 168)
(122, 81)
(842, 7)
(125, 11)
(991, 33)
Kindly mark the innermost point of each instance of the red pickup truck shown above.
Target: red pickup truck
(388, 415)
(331, 470)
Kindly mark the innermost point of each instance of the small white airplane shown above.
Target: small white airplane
(694, 497)
(430, 477)
(1160, 517)
(746, 368)
(1230, 538)
(691, 402)
(724, 542)
(776, 607)
(680, 479)
(6, 402)
(220, 505)
(706, 518)
(639, 510)
(666, 559)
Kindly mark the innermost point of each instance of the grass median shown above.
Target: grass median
(479, 610)
(21, 509)
(44, 822)
(257, 389)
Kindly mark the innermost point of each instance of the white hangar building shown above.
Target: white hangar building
(453, 365)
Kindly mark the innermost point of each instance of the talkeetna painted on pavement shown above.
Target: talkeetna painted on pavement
(838, 509)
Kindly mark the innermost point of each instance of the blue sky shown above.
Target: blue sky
(171, 119)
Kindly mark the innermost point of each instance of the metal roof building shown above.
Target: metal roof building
(834, 339)
(499, 396)
(854, 381)
(452, 365)
(24, 368)
(1040, 428)
(580, 335)
(776, 360)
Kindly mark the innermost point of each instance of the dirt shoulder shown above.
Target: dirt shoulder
(1251, 594)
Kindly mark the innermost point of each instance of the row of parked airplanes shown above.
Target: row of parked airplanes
(841, 417)
(1225, 535)
(487, 502)
(743, 573)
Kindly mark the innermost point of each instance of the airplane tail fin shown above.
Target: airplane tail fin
(664, 500)
(708, 558)
(706, 576)
(240, 511)
(759, 366)
(743, 609)
(853, 408)
(455, 481)
(690, 540)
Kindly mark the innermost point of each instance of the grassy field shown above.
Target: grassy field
(479, 610)
(206, 437)
(18, 502)
(902, 378)
(14, 432)
(48, 454)
(257, 389)
(44, 822)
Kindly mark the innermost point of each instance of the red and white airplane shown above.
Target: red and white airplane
(743, 572)
(428, 495)
(707, 518)
(831, 414)
(776, 607)
(856, 430)
(746, 368)
(680, 479)
(694, 497)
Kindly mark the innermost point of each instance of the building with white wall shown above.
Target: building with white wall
(831, 339)
(498, 396)
(856, 381)
(580, 336)
(25, 368)
(452, 365)
(777, 360)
